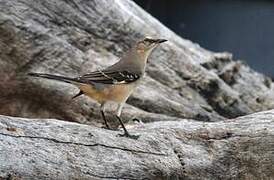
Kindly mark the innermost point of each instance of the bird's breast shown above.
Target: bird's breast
(117, 93)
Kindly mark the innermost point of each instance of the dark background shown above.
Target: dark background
(245, 28)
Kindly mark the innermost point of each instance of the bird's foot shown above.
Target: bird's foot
(129, 136)
(137, 120)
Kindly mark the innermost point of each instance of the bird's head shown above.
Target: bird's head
(148, 44)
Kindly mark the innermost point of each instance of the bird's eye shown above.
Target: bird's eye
(149, 41)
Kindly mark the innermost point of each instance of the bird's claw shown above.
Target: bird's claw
(129, 136)
(136, 120)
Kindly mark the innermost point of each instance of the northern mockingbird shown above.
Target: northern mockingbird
(116, 82)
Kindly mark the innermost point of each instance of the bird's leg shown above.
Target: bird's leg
(102, 109)
(123, 126)
(105, 120)
(126, 133)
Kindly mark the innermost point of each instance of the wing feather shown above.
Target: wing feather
(110, 77)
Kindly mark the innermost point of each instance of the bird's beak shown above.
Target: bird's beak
(161, 41)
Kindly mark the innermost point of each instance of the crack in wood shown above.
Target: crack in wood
(88, 145)
(109, 177)
(13, 176)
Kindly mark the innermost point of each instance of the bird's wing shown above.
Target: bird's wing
(110, 77)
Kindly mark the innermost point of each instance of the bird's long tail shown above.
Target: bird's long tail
(55, 77)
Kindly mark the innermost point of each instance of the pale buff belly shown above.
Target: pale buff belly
(117, 93)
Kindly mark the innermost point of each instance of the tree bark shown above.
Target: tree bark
(240, 148)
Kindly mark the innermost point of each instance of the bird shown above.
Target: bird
(114, 83)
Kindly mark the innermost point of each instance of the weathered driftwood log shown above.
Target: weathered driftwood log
(74, 37)
(240, 148)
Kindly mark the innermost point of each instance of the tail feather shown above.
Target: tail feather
(54, 77)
